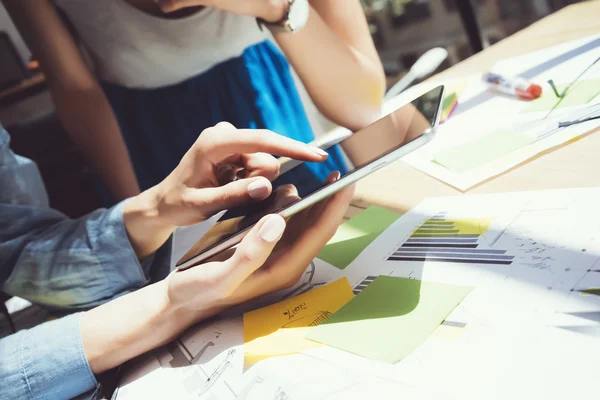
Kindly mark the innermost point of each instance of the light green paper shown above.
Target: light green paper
(390, 318)
(354, 235)
(581, 92)
(482, 150)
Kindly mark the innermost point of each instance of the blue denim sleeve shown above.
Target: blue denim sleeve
(45, 362)
(67, 264)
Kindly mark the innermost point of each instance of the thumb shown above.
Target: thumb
(240, 192)
(253, 251)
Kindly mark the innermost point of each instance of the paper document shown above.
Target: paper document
(279, 329)
(390, 318)
(481, 151)
(490, 133)
(354, 235)
(529, 328)
(208, 360)
(540, 248)
(581, 93)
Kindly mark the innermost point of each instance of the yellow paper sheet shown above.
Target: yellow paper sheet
(280, 328)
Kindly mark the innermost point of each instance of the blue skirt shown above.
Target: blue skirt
(255, 90)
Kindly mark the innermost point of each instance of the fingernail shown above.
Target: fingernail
(272, 229)
(258, 189)
(336, 175)
(320, 152)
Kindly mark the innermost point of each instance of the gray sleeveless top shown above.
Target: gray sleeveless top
(134, 49)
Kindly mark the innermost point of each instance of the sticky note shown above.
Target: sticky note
(582, 92)
(354, 235)
(280, 328)
(450, 102)
(482, 150)
(448, 106)
(390, 318)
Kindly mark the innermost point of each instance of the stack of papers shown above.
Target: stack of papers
(489, 133)
(401, 319)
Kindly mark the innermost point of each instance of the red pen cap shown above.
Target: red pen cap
(532, 92)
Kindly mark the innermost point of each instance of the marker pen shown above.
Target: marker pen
(515, 86)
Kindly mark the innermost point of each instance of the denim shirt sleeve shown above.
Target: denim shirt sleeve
(68, 264)
(46, 362)
(62, 263)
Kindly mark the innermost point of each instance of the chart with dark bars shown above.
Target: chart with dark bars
(439, 239)
(363, 284)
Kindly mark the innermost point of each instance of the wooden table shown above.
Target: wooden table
(400, 187)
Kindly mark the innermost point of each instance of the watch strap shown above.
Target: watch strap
(281, 26)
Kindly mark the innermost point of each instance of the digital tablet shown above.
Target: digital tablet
(355, 156)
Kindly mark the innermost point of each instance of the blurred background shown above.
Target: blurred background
(402, 30)
(405, 29)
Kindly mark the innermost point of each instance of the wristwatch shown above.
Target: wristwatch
(294, 19)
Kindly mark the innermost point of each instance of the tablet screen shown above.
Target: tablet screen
(350, 155)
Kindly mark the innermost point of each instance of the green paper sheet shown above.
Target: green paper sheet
(482, 150)
(354, 235)
(448, 101)
(390, 318)
(581, 92)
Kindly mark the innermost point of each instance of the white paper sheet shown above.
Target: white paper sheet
(527, 330)
(481, 111)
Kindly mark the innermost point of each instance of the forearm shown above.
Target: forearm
(91, 124)
(58, 359)
(346, 85)
(132, 325)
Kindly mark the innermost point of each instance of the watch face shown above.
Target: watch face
(298, 15)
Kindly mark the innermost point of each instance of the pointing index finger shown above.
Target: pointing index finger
(221, 143)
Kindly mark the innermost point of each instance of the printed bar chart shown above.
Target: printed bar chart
(450, 240)
(363, 284)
